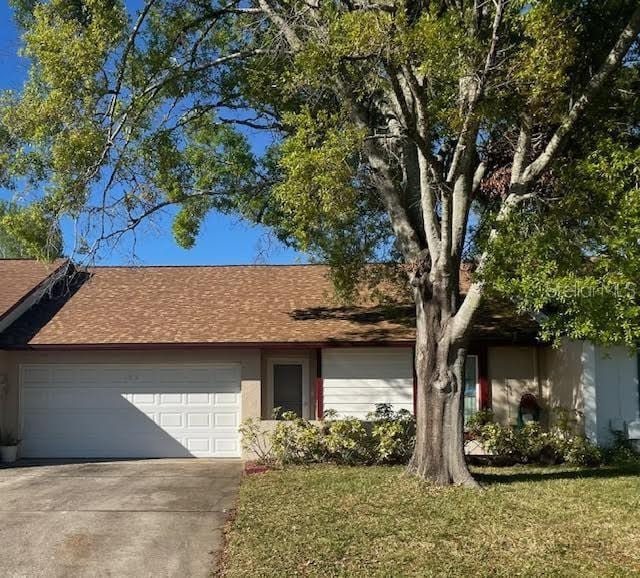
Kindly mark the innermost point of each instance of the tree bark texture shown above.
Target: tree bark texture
(439, 452)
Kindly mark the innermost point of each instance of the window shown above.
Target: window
(287, 387)
(471, 389)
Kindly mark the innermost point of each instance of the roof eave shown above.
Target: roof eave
(32, 296)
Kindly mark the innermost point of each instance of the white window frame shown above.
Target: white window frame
(305, 380)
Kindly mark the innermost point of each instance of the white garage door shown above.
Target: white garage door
(86, 411)
(356, 380)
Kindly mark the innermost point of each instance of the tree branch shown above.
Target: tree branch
(615, 57)
(473, 94)
(288, 32)
(518, 193)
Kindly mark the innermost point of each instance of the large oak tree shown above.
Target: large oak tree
(502, 133)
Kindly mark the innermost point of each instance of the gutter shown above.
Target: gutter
(203, 345)
(243, 344)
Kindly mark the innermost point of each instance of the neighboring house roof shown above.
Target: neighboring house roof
(232, 305)
(22, 278)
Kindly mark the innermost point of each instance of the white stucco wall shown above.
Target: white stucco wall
(616, 391)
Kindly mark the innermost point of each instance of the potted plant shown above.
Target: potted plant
(8, 447)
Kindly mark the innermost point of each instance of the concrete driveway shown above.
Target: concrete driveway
(118, 518)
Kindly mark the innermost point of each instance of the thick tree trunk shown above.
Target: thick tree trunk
(439, 452)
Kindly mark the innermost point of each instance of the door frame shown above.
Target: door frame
(306, 413)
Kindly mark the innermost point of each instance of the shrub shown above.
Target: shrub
(348, 442)
(257, 441)
(295, 440)
(579, 451)
(498, 440)
(388, 437)
(393, 434)
(621, 452)
(535, 445)
(531, 444)
(477, 421)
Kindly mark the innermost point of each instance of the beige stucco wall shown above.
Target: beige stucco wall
(268, 356)
(562, 373)
(512, 371)
(553, 375)
(249, 359)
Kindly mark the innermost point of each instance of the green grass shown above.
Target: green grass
(374, 521)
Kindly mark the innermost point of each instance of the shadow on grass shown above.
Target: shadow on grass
(510, 476)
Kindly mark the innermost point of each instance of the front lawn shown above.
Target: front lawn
(364, 521)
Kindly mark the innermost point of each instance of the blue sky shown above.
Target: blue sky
(223, 239)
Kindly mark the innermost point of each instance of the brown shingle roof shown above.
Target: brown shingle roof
(236, 304)
(208, 305)
(19, 278)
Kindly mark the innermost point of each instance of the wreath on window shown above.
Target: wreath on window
(528, 410)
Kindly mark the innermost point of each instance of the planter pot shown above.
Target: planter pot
(8, 454)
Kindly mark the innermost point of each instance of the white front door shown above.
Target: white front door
(87, 411)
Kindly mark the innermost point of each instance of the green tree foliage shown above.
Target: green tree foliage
(28, 233)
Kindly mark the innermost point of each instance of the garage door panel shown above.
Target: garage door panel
(226, 398)
(198, 420)
(84, 377)
(226, 420)
(93, 422)
(226, 447)
(199, 399)
(77, 398)
(171, 399)
(143, 447)
(36, 398)
(140, 413)
(171, 420)
(36, 376)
